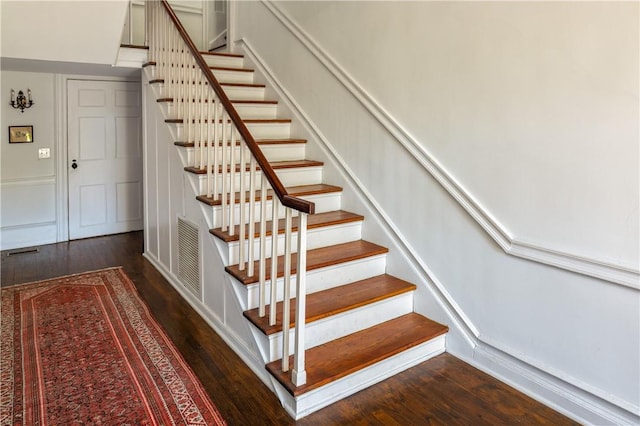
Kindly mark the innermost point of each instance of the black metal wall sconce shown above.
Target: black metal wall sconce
(22, 102)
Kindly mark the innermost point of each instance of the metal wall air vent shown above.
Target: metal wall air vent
(189, 257)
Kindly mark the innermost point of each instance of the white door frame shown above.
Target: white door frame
(61, 134)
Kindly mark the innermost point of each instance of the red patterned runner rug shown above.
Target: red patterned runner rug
(84, 349)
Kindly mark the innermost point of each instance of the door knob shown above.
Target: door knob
(74, 165)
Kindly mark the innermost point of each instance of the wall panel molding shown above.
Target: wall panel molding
(599, 268)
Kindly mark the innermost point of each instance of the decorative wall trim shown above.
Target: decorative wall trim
(604, 270)
(575, 400)
(29, 181)
(28, 226)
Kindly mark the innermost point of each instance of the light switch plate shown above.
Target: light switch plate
(44, 153)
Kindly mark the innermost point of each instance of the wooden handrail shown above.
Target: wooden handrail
(287, 200)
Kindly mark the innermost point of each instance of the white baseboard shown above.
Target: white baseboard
(35, 234)
(599, 268)
(564, 397)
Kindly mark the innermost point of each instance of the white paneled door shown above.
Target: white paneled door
(104, 157)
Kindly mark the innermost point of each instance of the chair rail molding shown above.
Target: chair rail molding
(621, 274)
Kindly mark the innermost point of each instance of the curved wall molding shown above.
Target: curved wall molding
(598, 268)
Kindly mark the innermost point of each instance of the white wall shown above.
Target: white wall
(522, 104)
(533, 107)
(67, 31)
(27, 184)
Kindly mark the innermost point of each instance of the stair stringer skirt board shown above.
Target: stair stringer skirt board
(435, 303)
(168, 194)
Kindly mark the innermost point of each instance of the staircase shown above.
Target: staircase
(360, 324)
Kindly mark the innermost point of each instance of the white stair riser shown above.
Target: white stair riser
(166, 90)
(248, 111)
(280, 152)
(223, 61)
(227, 76)
(244, 93)
(313, 401)
(324, 278)
(288, 177)
(150, 72)
(323, 202)
(269, 130)
(337, 326)
(158, 90)
(316, 238)
(257, 130)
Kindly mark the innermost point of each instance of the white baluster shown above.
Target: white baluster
(286, 302)
(210, 106)
(263, 245)
(216, 155)
(232, 178)
(243, 205)
(274, 260)
(200, 103)
(196, 117)
(252, 214)
(299, 374)
(190, 117)
(223, 166)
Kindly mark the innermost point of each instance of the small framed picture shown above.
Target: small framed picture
(20, 134)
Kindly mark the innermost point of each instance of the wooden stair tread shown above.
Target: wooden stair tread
(277, 165)
(242, 84)
(314, 221)
(161, 80)
(316, 258)
(134, 46)
(296, 191)
(231, 69)
(233, 55)
(258, 141)
(253, 101)
(248, 121)
(335, 300)
(279, 141)
(283, 141)
(339, 358)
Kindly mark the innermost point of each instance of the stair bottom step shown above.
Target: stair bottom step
(339, 358)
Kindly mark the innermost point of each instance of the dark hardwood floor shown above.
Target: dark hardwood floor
(441, 391)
